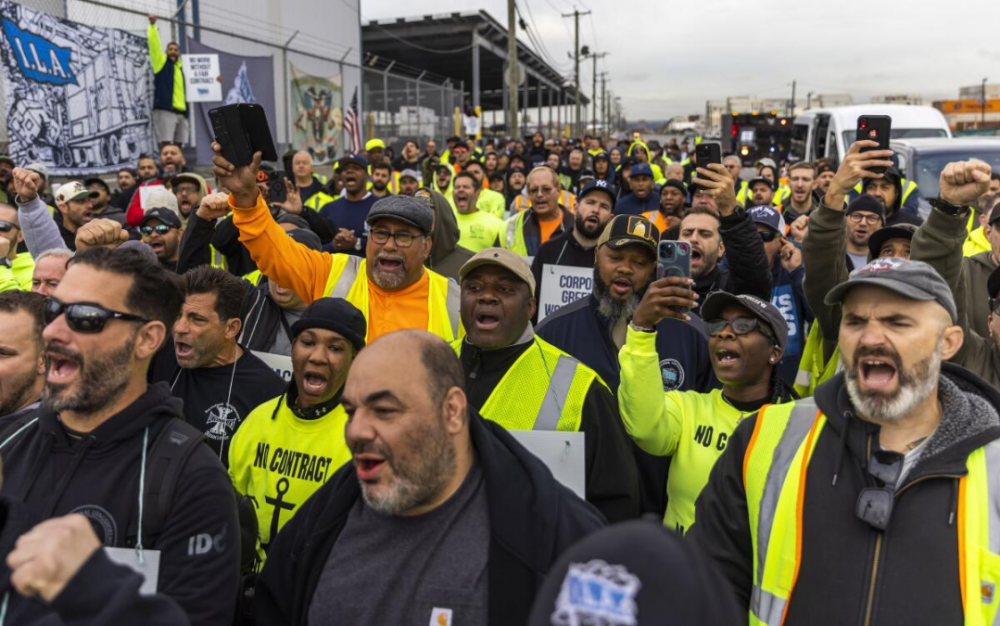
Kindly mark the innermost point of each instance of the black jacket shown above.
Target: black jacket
(261, 317)
(908, 574)
(747, 270)
(561, 249)
(48, 474)
(612, 483)
(533, 519)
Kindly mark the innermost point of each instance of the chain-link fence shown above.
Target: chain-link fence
(399, 108)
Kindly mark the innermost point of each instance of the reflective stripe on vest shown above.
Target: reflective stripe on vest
(218, 259)
(909, 187)
(774, 473)
(514, 241)
(521, 402)
(349, 280)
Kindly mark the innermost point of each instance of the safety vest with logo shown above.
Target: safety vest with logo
(566, 199)
(349, 280)
(318, 200)
(544, 389)
(813, 370)
(774, 478)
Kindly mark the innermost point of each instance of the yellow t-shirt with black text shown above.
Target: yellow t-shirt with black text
(280, 462)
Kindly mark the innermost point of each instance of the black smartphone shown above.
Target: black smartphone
(875, 128)
(241, 130)
(708, 153)
(276, 184)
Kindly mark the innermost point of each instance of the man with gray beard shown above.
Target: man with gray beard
(440, 518)
(849, 503)
(85, 450)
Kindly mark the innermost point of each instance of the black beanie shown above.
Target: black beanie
(334, 314)
(670, 182)
(865, 202)
(641, 573)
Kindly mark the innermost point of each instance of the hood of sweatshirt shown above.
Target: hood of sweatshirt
(445, 235)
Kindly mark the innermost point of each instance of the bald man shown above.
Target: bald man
(308, 183)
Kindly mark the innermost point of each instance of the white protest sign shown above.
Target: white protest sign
(281, 364)
(561, 285)
(201, 77)
(149, 569)
(562, 453)
(144, 192)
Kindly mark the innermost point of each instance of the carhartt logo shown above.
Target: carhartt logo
(989, 592)
(440, 617)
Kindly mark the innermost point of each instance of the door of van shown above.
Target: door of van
(820, 134)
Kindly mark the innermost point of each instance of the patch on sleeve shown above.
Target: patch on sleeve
(672, 373)
(597, 594)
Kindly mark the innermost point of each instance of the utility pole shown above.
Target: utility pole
(576, 62)
(595, 56)
(809, 100)
(513, 129)
(790, 109)
(604, 104)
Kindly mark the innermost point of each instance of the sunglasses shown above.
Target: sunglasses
(159, 229)
(768, 235)
(6, 227)
(875, 503)
(84, 317)
(740, 326)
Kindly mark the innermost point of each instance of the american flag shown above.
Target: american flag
(351, 124)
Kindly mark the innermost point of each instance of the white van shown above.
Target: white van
(829, 133)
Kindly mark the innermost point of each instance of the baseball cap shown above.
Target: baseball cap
(334, 314)
(190, 177)
(761, 179)
(291, 218)
(160, 198)
(93, 180)
(766, 161)
(865, 202)
(404, 209)
(39, 168)
(882, 235)
(761, 309)
(373, 144)
(503, 258)
(460, 144)
(627, 230)
(600, 186)
(642, 169)
(409, 174)
(168, 217)
(74, 190)
(768, 216)
(911, 279)
(602, 155)
(587, 174)
(620, 571)
(356, 159)
(6, 159)
(823, 166)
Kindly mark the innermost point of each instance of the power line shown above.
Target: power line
(535, 38)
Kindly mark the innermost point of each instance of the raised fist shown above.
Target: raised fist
(100, 233)
(214, 206)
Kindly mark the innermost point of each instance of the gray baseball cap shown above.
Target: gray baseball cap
(409, 173)
(404, 209)
(911, 279)
(761, 309)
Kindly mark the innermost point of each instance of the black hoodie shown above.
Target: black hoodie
(908, 574)
(49, 474)
(533, 519)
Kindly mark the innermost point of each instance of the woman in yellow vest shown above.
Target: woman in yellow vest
(289, 446)
(747, 337)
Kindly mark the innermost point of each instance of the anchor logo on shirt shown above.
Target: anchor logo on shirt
(279, 505)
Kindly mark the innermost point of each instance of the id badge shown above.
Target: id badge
(149, 569)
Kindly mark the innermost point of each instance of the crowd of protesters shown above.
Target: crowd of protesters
(229, 401)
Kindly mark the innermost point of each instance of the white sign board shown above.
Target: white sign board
(144, 192)
(562, 452)
(562, 285)
(201, 77)
(281, 364)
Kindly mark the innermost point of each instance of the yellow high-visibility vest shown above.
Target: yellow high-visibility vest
(544, 389)
(774, 475)
(349, 280)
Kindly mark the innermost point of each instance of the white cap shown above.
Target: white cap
(73, 190)
(161, 198)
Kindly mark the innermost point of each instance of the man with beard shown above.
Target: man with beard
(190, 189)
(390, 286)
(593, 330)
(436, 505)
(306, 421)
(7, 166)
(509, 373)
(479, 229)
(85, 450)
(172, 160)
(149, 176)
(489, 201)
(162, 231)
(381, 176)
(101, 206)
(219, 381)
(641, 199)
(127, 178)
(809, 494)
(73, 201)
(350, 211)
(22, 369)
(544, 218)
(673, 196)
(409, 182)
(761, 192)
(801, 181)
(575, 248)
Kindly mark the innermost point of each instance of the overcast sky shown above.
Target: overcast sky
(667, 57)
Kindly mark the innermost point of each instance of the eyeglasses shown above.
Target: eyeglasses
(545, 191)
(159, 229)
(402, 238)
(740, 326)
(870, 218)
(6, 227)
(768, 235)
(875, 503)
(84, 317)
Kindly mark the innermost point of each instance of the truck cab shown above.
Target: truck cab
(829, 133)
(921, 160)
